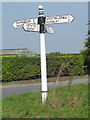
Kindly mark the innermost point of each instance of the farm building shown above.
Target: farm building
(17, 52)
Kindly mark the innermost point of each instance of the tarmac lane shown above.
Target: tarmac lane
(20, 89)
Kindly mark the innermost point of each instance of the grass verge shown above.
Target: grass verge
(38, 80)
(63, 102)
(22, 81)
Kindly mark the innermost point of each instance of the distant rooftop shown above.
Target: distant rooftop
(11, 51)
(16, 52)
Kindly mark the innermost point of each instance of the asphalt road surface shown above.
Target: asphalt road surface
(19, 89)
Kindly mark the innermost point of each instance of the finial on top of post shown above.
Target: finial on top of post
(40, 7)
(41, 12)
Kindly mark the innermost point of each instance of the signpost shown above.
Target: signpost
(48, 29)
(20, 23)
(31, 27)
(36, 28)
(38, 25)
(59, 19)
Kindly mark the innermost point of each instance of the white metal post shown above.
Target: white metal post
(43, 67)
(41, 22)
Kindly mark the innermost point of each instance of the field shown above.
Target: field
(63, 102)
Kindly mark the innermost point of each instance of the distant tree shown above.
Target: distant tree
(87, 49)
(87, 43)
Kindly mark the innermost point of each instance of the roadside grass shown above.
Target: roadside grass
(22, 81)
(0, 108)
(38, 80)
(62, 102)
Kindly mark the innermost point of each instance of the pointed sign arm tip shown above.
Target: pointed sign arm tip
(14, 24)
(71, 18)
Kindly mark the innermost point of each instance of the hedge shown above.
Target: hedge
(67, 65)
(19, 68)
(24, 68)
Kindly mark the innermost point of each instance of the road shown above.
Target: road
(19, 89)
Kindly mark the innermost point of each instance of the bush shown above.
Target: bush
(22, 68)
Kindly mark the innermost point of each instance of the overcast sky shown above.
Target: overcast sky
(67, 38)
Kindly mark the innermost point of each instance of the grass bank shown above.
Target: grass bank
(51, 79)
(21, 82)
(63, 102)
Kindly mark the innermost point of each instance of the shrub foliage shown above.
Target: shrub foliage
(22, 68)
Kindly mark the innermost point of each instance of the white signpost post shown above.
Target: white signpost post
(38, 25)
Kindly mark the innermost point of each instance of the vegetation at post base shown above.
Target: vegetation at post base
(24, 68)
(62, 102)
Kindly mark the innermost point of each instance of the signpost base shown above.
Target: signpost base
(44, 97)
